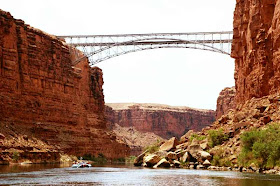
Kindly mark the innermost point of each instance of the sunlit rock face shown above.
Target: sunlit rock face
(256, 49)
(225, 101)
(44, 97)
(163, 120)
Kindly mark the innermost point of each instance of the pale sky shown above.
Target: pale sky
(178, 77)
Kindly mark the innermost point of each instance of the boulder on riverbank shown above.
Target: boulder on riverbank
(151, 160)
(169, 145)
(139, 160)
(172, 154)
(162, 163)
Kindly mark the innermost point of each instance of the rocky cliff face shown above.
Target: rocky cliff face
(256, 49)
(163, 120)
(225, 101)
(43, 97)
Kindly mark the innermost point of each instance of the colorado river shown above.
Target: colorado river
(128, 175)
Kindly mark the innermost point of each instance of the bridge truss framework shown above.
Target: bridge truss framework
(102, 47)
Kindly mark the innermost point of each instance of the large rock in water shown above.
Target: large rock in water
(151, 160)
(169, 145)
(139, 160)
(162, 163)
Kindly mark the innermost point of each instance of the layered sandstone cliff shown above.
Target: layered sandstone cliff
(225, 101)
(163, 120)
(43, 97)
(256, 49)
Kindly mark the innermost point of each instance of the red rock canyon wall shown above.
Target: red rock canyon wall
(163, 120)
(256, 49)
(42, 96)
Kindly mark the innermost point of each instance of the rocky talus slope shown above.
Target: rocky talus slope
(136, 140)
(47, 105)
(163, 120)
(197, 150)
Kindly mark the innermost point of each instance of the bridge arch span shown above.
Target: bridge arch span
(99, 48)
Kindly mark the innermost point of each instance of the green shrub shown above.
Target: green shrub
(216, 160)
(184, 164)
(220, 158)
(216, 137)
(130, 159)
(249, 138)
(226, 163)
(221, 161)
(88, 157)
(99, 159)
(153, 148)
(261, 147)
(16, 155)
(197, 137)
(119, 160)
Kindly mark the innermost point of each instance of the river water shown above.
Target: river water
(127, 175)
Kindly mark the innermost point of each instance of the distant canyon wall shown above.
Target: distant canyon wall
(163, 120)
(44, 97)
(256, 49)
(225, 101)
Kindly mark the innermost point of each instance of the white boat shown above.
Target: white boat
(75, 165)
(81, 165)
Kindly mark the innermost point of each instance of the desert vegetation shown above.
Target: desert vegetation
(261, 147)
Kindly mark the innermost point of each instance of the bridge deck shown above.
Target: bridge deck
(152, 42)
(148, 34)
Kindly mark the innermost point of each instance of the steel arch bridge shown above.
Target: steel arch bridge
(98, 48)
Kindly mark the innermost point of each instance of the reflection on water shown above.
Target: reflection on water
(128, 175)
(29, 167)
